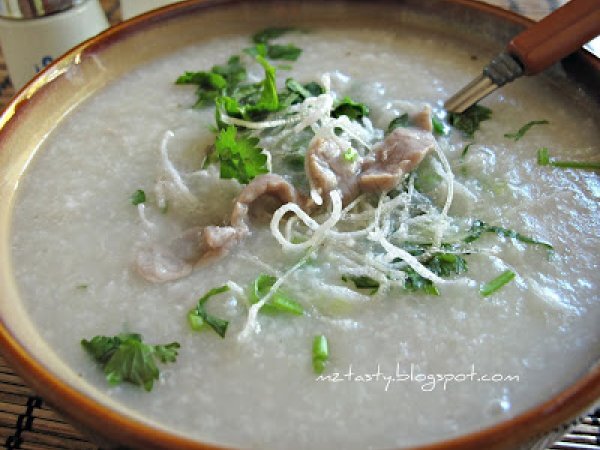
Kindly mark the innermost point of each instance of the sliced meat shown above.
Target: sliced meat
(401, 151)
(260, 198)
(422, 119)
(160, 263)
(328, 170)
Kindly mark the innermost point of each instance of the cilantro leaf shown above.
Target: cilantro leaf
(350, 108)
(233, 72)
(362, 282)
(400, 121)
(479, 227)
(297, 93)
(469, 120)
(126, 357)
(239, 157)
(442, 264)
(198, 316)
(251, 101)
(256, 50)
(138, 197)
(524, 129)
(279, 301)
(288, 52)
(264, 36)
(220, 80)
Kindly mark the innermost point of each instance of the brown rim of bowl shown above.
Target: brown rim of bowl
(97, 419)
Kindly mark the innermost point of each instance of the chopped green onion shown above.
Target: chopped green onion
(350, 155)
(138, 197)
(544, 160)
(497, 283)
(438, 126)
(524, 129)
(543, 157)
(320, 353)
(279, 302)
(576, 165)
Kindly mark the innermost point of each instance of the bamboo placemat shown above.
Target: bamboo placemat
(27, 423)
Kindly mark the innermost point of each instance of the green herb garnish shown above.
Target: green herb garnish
(465, 150)
(442, 264)
(400, 121)
(545, 160)
(288, 52)
(468, 121)
(220, 80)
(198, 317)
(479, 227)
(320, 353)
(438, 126)
(524, 129)
(125, 357)
(294, 161)
(350, 155)
(494, 285)
(279, 301)
(348, 107)
(264, 36)
(362, 282)
(138, 197)
(239, 157)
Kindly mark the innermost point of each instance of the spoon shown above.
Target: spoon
(532, 51)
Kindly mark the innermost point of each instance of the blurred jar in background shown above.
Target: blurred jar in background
(35, 32)
(130, 8)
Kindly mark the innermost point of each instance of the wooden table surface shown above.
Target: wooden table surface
(26, 422)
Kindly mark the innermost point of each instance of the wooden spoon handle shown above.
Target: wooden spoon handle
(557, 35)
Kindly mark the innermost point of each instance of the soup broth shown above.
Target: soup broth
(404, 368)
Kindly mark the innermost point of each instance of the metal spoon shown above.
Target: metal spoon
(534, 50)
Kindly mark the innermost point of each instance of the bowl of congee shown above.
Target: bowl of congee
(252, 224)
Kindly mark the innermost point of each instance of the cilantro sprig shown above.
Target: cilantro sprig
(362, 282)
(348, 107)
(469, 121)
(126, 357)
(443, 265)
(239, 156)
(220, 80)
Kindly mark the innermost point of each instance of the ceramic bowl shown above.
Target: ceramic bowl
(41, 105)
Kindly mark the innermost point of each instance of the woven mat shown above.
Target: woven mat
(26, 422)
